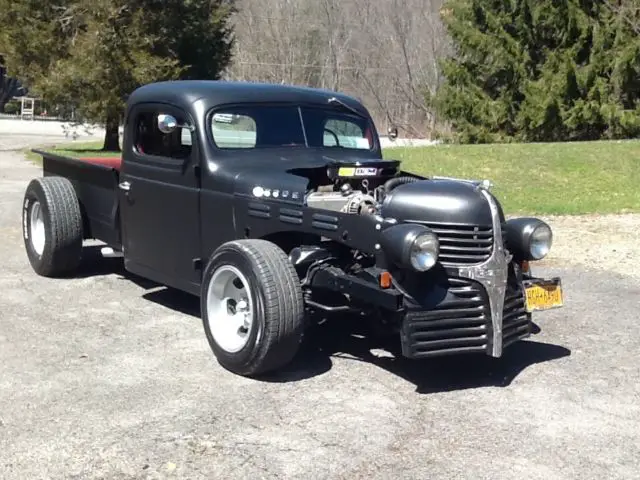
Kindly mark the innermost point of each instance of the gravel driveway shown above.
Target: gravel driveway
(106, 376)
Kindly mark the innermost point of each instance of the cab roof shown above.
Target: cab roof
(212, 93)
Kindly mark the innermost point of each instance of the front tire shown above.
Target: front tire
(252, 307)
(52, 226)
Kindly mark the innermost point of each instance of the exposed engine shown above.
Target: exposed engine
(356, 190)
(346, 199)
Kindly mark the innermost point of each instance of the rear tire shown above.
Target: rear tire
(252, 307)
(52, 226)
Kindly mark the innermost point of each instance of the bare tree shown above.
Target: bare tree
(385, 52)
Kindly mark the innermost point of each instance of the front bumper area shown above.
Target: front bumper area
(460, 321)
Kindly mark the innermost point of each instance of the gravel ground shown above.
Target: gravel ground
(105, 376)
(597, 242)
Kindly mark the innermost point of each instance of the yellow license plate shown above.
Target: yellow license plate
(543, 294)
(346, 172)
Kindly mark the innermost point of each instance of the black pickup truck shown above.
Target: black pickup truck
(274, 205)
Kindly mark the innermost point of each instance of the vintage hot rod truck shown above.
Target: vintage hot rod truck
(274, 205)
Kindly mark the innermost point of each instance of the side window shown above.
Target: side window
(149, 140)
(344, 133)
(231, 130)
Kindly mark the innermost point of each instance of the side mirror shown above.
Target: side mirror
(392, 132)
(167, 123)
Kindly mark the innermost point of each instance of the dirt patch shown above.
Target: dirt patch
(600, 242)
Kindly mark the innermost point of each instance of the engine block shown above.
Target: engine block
(355, 202)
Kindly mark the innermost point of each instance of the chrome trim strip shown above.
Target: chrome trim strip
(476, 183)
(492, 274)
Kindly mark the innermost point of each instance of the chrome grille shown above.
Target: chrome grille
(461, 322)
(457, 325)
(515, 321)
(463, 244)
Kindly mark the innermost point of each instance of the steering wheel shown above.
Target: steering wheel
(331, 132)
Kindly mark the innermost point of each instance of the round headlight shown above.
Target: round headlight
(540, 241)
(424, 250)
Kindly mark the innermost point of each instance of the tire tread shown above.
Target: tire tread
(64, 237)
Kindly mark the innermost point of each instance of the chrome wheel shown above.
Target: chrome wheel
(230, 312)
(36, 225)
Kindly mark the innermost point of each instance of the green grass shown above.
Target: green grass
(75, 150)
(543, 178)
(552, 178)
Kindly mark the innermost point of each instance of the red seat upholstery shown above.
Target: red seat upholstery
(113, 162)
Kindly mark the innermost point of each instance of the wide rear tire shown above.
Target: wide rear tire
(52, 226)
(252, 307)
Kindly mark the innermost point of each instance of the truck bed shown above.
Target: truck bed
(95, 181)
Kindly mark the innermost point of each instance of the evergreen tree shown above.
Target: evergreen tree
(539, 70)
(93, 53)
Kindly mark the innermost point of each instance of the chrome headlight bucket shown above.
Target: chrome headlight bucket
(411, 246)
(529, 238)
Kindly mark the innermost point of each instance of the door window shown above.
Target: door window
(149, 140)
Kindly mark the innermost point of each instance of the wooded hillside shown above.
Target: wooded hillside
(482, 70)
(517, 70)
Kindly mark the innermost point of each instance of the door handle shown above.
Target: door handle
(126, 186)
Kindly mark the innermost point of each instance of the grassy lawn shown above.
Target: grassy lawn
(560, 178)
(87, 149)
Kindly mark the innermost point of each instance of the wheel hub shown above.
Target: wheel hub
(36, 225)
(229, 308)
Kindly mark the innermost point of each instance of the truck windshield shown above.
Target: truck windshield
(265, 126)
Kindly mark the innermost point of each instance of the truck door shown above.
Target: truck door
(159, 199)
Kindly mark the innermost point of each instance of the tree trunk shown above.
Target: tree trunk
(5, 93)
(112, 136)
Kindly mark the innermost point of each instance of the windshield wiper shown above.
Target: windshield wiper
(344, 105)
